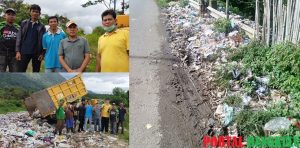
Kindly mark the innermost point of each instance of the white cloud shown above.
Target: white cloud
(87, 18)
(103, 83)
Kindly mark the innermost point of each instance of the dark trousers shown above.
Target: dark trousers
(81, 123)
(104, 124)
(25, 59)
(120, 122)
(8, 61)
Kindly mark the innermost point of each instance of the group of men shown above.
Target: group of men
(100, 115)
(30, 41)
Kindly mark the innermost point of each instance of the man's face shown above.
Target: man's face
(35, 14)
(121, 104)
(10, 17)
(106, 101)
(53, 23)
(108, 20)
(72, 30)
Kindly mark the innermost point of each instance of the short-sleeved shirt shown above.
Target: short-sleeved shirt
(122, 112)
(97, 111)
(105, 110)
(60, 113)
(113, 115)
(51, 43)
(113, 49)
(73, 51)
(88, 111)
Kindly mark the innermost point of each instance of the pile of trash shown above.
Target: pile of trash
(20, 130)
(204, 51)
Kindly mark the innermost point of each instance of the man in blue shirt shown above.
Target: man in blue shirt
(51, 41)
(88, 115)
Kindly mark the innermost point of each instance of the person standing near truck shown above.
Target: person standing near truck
(113, 119)
(121, 119)
(81, 114)
(69, 118)
(88, 115)
(105, 115)
(97, 116)
(29, 41)
(60, 118)
(8, 36)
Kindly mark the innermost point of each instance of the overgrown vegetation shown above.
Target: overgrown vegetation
(233, 100)
(222, 25)
(281, 63)
(11, 99)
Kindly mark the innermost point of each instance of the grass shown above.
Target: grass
(125, 136)
(14, 105)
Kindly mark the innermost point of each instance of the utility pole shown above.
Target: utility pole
(227, 14)
(115, 3)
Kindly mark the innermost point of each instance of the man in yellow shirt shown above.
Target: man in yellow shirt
(105, 115)
(113, 46)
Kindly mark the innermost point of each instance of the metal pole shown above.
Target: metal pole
(123, 7)
(115, 3)
(227, 14)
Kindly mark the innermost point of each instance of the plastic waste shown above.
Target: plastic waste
(277, 124)
(229, 112)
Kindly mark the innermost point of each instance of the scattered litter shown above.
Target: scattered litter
(277, 124)
(148, 126)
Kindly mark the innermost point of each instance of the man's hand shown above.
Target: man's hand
(41, 57)
(18, 56)
(71, 70)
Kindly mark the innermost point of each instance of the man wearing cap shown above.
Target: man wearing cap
(113, 46)
(51, 40)
(29, 41)
(74, 50)
(96, 116)
(8, 35)
(105, 115)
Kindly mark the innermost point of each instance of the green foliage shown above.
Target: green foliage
(11, 99)
(233, 100)
(183, 3)
(125, 136)
(222, 25)
(164, 3)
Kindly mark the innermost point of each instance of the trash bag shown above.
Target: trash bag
(229, 112)
(30, 133)
(276, 124)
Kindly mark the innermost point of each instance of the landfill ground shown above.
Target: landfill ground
(21, 130)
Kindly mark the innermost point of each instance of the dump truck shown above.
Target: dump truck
(123, 21)
(46, 101)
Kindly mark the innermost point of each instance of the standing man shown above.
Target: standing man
(113, 119)
(122, 113)
(60, 117)
(8, 36)
(88, 115)
(73, 51)
(113, 46)
(69, 118)
(51, 41)
(96, 116)
(81, 110)
(105, 116)
(29, 41)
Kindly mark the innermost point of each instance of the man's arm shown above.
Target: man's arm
(18, 42)
(85, 62)
(98, 64)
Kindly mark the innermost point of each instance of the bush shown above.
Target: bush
(222, 25)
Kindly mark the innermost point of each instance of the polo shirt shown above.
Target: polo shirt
(113, 49)
(105, 110)
(88, 111)
(51, 44)
(73, 51)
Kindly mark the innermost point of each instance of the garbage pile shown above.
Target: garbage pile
(204, 52)
(20, 130)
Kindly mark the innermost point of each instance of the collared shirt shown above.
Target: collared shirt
(73, 51)
(113, 49)
(51, 44)
(105, 110)
(88, 111)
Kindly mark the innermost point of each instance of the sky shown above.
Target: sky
(87, 18)
(103, 83)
